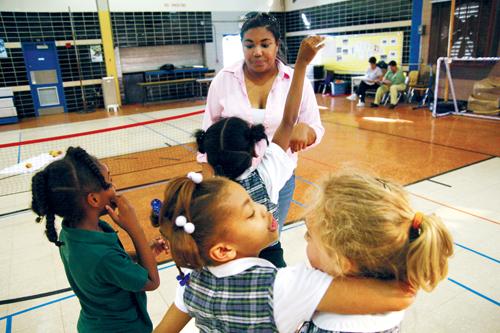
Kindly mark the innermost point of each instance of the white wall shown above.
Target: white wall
(223, 23)
(301, 4)
(142, 6)
(47, 6)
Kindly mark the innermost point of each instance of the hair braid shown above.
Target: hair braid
(80, 155)
(39, 203)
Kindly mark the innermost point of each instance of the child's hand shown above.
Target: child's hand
(308, 49)
(126, 217)
(300, 137)
(159, 246)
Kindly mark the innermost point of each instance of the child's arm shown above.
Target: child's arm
(308, 49)
(127, 219)
(173, 321)
(362, 296)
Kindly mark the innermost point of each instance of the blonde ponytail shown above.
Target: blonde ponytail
(427, 258)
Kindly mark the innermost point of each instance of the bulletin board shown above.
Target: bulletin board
(348, 54)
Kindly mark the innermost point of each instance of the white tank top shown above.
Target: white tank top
(258, 115)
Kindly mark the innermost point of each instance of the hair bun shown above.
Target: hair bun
(257, 133)
(200, 140)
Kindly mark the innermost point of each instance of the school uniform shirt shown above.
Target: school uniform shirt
(372, 75)
(252, 295)
(335, 323)
(227, 97)
(275, 168)
(106, 281)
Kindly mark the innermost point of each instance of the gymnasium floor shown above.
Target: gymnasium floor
(451, 166)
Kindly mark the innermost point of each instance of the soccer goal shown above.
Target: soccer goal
(467, 87)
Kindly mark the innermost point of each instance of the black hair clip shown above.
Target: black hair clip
(183, 279)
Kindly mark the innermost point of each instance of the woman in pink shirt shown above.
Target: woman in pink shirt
(255, 89)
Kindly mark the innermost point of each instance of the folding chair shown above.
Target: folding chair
(327, 82)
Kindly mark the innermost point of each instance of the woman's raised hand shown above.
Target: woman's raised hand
(308, 49)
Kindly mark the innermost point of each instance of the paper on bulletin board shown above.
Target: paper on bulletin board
(348, 54)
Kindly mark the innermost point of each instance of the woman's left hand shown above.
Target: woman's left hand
(302, 137)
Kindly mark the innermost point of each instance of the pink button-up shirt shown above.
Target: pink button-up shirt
(227, 97)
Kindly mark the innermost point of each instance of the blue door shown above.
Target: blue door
(44, 75)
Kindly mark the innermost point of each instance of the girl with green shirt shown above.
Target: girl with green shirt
(108, 283)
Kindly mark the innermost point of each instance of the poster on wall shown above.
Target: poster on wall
(349, 54)
(96, 53)
(3, 50)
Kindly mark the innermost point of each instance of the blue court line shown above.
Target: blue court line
(19, 148)
(298, 203)
(285, 228)
(8, 326)
(10, 316)
(306, 181)
(477, 252)
(474, 292)
(37, 307)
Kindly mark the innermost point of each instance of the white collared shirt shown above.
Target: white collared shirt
(275, 168)
(296, 294)
(358, 323)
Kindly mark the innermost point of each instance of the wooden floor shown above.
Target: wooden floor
(403, 144)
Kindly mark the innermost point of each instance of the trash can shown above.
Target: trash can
(109, 93)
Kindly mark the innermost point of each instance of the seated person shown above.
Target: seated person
(394, 81)
(373, 75)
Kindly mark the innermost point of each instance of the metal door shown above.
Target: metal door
(44, 75)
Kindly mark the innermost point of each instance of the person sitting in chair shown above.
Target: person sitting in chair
(370, 82)
(394, 82)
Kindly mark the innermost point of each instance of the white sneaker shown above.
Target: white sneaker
(360, 104)
(353, 97)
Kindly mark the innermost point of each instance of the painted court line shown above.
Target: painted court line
(454, 208)
(474, 292)
(9, 317)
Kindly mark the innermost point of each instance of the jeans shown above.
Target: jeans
(274, 253)
(363, 87)
(285, 199)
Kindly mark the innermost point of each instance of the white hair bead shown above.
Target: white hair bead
(180, 221)
(195, 177)
(189, 228)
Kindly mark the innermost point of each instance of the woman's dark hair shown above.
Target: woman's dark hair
(61, 188)
(230, 145)
(271, 23)
(372, 60)
(202, 205)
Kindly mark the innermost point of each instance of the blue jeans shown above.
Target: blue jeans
(285, 199)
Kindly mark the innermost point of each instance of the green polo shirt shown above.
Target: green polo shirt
(395, 78)
(106, 280)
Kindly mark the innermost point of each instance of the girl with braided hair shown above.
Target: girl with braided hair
(108, 283)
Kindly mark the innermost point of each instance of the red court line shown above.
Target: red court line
(454, 208)
(109, 129)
